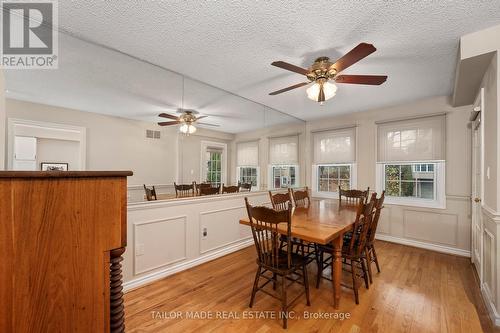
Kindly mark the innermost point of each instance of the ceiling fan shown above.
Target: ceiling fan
(322, 71)
(187, 119)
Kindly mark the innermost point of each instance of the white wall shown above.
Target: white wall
(63, 151)
(445, 230)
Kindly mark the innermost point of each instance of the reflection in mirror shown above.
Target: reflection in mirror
(100, 111)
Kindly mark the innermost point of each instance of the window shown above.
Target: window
(411, 164)
(284, 176)
(410, 180)
(334, 161)
(330, 177)
(249, 175)
(283, 159)
(213, 162)
(247, 160)
(214, 167)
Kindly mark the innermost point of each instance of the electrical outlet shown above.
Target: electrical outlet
(139, 249)
(204, 233)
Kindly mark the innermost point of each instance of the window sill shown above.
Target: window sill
(414, 203)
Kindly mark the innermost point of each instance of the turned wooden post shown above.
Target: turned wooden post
(117, 309)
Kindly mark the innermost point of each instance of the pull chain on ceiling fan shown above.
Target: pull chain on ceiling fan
(322, 71)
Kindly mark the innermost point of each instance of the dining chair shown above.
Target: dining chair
(353, 250)
(210, 190)
(150, 193)
(184, 190)
(273, 263)
(200, 186)
(230, 189)
(371, 254)
(301, 198)
(280, 201)
(245, 187)
(353, 196)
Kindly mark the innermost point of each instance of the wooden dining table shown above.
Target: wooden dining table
(324, 221)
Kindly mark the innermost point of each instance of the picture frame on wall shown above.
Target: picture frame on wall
(51, 166)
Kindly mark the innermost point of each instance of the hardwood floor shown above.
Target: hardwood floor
(417, 291)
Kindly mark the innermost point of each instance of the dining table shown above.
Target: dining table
(323, 221)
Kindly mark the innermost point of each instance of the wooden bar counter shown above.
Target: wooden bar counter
(62, 235)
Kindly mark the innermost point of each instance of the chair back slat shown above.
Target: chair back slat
(362, 223)
(379, 204)
(264, 223)
(150, 193)
(184, 190)
(230, 189)
(353, 196)
(301, 198)
(280, 201)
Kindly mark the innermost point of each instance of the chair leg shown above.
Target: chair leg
(354, 282)
(306, 283)
(320, 268)
(375, 257)
(369, 265)
(255, 285)
(362, 262)
(283, 301)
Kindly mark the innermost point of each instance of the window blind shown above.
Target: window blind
(335, 146)
(284, 150)
(247, 153)
(419, 139)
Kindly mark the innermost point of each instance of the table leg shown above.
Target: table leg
(337, 270)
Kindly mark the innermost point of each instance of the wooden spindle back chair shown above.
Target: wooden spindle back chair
(150, 193)
(230, 189)
(364, 215)
(353, 197)
(371, 254)
(271, 259)
(280, 201)
(210, 190)
(245, 187)
(201, 186)
(184, 190)
(301, 198)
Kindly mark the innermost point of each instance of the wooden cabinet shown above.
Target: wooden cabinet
(62, 235)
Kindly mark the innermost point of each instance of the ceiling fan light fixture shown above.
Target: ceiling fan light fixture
(326, 88)
(187, 128)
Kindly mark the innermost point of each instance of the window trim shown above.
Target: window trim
(438, 202)
(270, 180)
(254, 188)
(332, 195)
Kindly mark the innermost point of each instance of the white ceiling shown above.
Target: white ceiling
(230, 44)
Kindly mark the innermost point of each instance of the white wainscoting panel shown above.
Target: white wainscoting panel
(154, 237)
(440, 228)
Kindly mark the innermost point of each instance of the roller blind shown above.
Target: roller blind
(284, 150)
(418, 139)
(247, 153)
(335, 146)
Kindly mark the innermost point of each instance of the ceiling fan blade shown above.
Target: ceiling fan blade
(206, 124)
(167, 123)
(361, 79)
(169, 116)
(200, 117)
(356, 54)
(298, 85)
(290, 67)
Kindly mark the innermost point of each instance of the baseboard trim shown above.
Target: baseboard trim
(492, 311)
(424, 245)
(157, 275)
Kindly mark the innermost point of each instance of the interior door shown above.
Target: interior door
(477, 185)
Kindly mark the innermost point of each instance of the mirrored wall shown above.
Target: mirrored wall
(114, 101)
